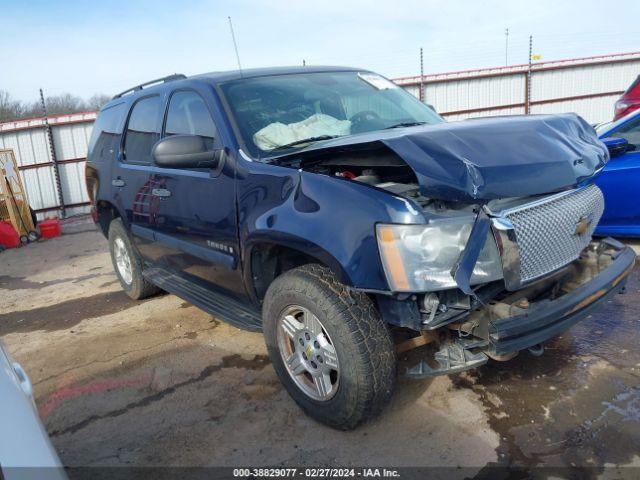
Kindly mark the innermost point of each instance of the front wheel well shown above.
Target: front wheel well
(269, 261)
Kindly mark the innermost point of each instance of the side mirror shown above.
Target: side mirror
(184, 151)
(616, 146)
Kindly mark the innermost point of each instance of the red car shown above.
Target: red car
(629, 101)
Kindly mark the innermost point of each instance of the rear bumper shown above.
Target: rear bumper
(549, 318)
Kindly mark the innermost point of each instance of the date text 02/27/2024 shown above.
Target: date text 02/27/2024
(315, 473)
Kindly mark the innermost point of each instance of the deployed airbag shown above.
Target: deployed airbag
(277, 133)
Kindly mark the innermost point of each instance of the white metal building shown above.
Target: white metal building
(587, 86)
(70, 137)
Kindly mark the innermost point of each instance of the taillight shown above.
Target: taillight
(621, 105)
(619, 109)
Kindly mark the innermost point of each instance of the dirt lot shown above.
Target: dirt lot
(159, 382)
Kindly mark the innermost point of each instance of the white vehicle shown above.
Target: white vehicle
(27, 452)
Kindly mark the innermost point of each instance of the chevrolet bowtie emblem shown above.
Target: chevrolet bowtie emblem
(582, 225)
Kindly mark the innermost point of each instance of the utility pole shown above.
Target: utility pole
(52, 153)
(506, 47)
(527, 100)
(421, 95)
(304, 62)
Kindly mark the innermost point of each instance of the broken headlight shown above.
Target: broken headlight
(419, 258)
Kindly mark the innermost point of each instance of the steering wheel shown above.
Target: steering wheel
(364, 116)
(361, 120)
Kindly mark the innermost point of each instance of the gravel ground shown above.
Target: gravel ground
(161, 383)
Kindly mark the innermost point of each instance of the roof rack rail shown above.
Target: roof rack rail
(169, 78)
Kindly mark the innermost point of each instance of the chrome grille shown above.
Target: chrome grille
(546, 230)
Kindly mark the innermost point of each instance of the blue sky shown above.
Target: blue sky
(85, 47)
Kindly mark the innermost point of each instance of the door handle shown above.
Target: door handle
(118, 182)
(161, 192)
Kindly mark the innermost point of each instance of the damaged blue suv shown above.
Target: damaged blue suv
(346, 220)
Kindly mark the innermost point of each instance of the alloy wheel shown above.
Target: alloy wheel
(123, 261)
(308, 353)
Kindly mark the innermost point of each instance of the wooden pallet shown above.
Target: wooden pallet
(14, 205)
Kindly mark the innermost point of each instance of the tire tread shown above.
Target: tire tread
(376, 368)
(141, 287)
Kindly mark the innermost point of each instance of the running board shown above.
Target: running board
(216, 303)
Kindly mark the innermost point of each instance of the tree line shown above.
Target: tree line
(11, 109)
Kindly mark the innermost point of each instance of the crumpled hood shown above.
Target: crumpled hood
(484, 159)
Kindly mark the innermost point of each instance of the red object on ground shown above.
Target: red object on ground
(9, 238)
(49, 228)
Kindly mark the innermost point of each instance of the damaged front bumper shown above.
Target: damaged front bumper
(547, 318)
(530, 316)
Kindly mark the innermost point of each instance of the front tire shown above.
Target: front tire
(127, 263)
(329, 347)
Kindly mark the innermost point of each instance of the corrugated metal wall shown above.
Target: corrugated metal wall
(28, 139)
(71, 143)
(588, 87)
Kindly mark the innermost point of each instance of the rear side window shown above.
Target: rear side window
(142, 132)
(189, 115)
(105, 136)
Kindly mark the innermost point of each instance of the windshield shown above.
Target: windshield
(279, 114)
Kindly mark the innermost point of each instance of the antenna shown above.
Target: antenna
(235, 45)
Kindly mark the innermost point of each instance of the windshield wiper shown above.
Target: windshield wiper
(305, 140)
(405, 124)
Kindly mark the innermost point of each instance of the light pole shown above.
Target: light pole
(506, 47)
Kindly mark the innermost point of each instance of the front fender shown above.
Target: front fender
(331, 219)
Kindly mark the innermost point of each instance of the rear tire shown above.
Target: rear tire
(128, 264)
(347, 324)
